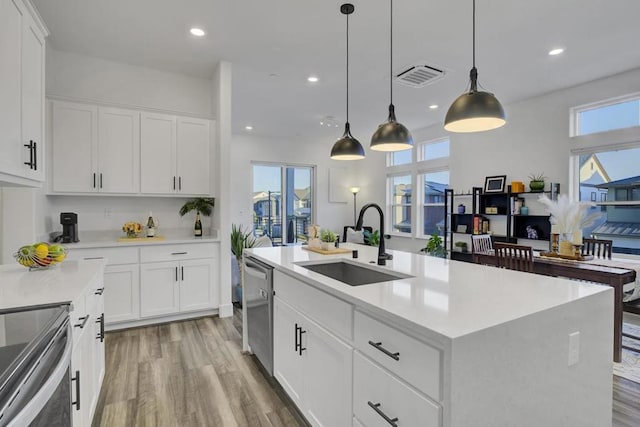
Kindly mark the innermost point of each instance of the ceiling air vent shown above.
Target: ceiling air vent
(419, 75)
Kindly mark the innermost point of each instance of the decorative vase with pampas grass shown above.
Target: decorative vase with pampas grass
(568, 218)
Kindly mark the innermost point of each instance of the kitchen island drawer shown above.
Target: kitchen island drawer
(412, 360)
(114, 256)
(381, 399)
(161, 253)
(333, 313)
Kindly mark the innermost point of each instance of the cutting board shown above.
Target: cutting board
(332, 251)
(141, 239)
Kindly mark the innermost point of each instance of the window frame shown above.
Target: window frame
(389, 226)
(574, 113)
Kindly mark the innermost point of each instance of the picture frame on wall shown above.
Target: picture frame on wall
(495, 184)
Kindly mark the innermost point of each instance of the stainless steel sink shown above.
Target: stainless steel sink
(352, 274)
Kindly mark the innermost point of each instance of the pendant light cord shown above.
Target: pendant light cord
(391, 54)
(347, 68)
(474, 34)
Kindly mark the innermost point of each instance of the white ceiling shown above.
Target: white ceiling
(275, 45)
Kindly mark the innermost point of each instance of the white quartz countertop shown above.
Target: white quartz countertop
(97, 239)
(61, 284)
(450, 298)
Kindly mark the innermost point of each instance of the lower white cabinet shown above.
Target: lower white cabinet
(87, 358)
(313, 366)
(122, 293)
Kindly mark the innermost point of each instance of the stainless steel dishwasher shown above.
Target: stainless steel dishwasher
(258, 294)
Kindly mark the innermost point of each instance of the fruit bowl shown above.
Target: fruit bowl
(40, 255)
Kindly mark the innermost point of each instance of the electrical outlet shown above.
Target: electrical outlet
(574, 348)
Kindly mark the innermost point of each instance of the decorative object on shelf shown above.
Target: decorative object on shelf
(485, 226)
(555, 240)
(132, 228)
(347, 147)
(491, 210)
(532, 233)
(524, 210)
(517, 187)
(555, 190)
(461, 228)
(313, 233)
(518, 203)
(460, 246)
(355, 191)
(327, 239)
(474, 111)
(569, 218)
(462, 208)
(495, 184)
(391, 136)
(536, 183)
(40, 255)
(434, 247)
(202, 205)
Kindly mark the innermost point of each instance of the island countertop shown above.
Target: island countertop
(449, 298)
(61, 284)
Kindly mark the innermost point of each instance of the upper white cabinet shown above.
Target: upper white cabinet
(95, 149)
(175, 155)
(22, 49)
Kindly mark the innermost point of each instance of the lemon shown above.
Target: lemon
(41, 251)
(59, 258)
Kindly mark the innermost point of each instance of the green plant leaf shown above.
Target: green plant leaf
(204, 205)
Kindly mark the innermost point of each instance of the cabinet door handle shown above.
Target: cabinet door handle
(83, 321)
(182, 273)
(378, 346)
(180, 183)
(176, 274)
(94, 180)
(376, 407)
(100, 179)
(77, 380)
(296, 338)
(93, 257)
(174, 182)
(99, 291)
(300, 347)
(179, 253)
(100, 321)
(30, 147)
(35, 156)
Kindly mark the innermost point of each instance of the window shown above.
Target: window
(612, 180)
(608, 116)
(283, 219)
(420, 214)
(400, 205)
(434, 185)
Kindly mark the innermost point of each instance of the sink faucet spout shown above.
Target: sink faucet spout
(382, 255)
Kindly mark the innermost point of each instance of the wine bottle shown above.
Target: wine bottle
(197, 231)
(151, 226)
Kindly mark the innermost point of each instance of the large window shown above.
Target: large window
(283, 200)
(419, 213)
(611, 179)
(607, 116)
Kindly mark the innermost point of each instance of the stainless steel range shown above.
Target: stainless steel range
(35, 356)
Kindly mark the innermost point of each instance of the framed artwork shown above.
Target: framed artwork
(494, 184)
(461, 228)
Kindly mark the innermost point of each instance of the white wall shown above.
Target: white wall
(248, 148)
(82, 77)
(535, 140)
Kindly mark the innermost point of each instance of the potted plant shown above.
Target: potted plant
(239, 240)
(202, 205)
(460, 246)
(434, 247)
(536, 183)
(327, 239)
(372, 239)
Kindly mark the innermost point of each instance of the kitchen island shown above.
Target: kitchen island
(452, 344)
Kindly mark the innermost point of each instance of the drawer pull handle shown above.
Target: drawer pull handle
(93, 257)
(378, 345)
(77, 380)
(296, 337)
(300, 347)
(179, 253)
(99, 291)
(83, 320)
(376, 407)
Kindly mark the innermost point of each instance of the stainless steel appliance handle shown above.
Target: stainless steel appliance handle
(255, 272)
(40, 399)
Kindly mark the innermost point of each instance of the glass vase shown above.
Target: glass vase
(565, 246)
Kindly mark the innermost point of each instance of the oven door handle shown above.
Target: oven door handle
(40, 399)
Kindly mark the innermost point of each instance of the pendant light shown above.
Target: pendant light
(474, 111)
(391, 136)
(347, 147)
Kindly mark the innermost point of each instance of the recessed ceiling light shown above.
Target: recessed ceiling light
(248, 127)
(433, 106)
(556, 51)
(312, 79)
(198, 32)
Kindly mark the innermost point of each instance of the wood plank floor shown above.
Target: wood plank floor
(189, 373)
(193, 373)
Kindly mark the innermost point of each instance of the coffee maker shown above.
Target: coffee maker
(69, 221)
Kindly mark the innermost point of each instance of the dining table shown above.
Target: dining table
(616, 273)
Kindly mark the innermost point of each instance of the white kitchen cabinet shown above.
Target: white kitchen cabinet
(175, 155)
(122, 293)
(22, 49)
(95, 149)
(313, 366)
(159, 293)
(196, 292)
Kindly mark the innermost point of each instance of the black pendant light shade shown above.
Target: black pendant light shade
(474, 111)
(347, 147)
(391, 136)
